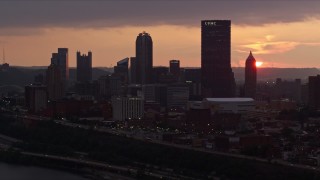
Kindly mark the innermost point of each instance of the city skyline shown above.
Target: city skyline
(265, 28)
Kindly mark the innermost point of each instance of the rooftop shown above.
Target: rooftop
(229, 99)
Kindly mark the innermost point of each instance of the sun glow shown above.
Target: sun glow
(258, 63)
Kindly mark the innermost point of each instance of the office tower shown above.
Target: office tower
(314, 92)
(127, 108)
(36, 97)
(250, 84)
(217, 78)
(144, 58)
(122, 70)
(156, 93)
(61, 60)
(175, 68)
(133, 70)
(177, 96)
(109, 86)
(55, 83)
(84, 67)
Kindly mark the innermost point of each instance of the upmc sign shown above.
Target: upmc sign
(210, 23)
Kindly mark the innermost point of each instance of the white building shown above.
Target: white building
(127, 108)
(230, 105)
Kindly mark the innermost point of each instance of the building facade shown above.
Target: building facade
(84, 67)
(144, 58)
(127, 108)
(250, 85)
(230, 105)
(175, 68)
(62, 61)
(177, 96)
(133, 70)
(122, 70)
(314, 92)
(36, 97)
(55, 83)
(217, 78)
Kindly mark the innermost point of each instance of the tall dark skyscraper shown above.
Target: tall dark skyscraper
(144, 59)
(61, 60)
(84, 67)
(122, 70)
(314, 92)
(133, 70)
(217, 78)
(55, 83)
(250, 77)
(175, 68)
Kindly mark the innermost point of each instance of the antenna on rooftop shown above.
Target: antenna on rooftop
(3, 56)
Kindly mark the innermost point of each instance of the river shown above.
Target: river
(16, 172)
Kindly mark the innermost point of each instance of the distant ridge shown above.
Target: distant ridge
(272, 73)
(21, 76)
(283, 73)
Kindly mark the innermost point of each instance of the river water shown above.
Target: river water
(15, 172)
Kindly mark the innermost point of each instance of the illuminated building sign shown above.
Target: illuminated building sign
(211, 23)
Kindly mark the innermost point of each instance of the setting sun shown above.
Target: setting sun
(258, 64)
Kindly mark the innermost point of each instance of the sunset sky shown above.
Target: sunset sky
(279, 33)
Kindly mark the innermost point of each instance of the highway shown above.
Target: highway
(142, 137)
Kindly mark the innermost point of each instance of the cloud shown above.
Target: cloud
(112, 13)
(275, 47)
(269, 47)
(269, 37)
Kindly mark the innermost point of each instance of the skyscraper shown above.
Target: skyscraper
(217, 78)
(61, 60)
(55, 83)
(122, 70)
(175, 68)
(144, 58)
(84, 67)
(250, 77)
(314, 92)
(133, 70)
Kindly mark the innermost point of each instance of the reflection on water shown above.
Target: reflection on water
(14, 172)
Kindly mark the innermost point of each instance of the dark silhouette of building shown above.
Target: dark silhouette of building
(175, 68)
(144, 59)
(314, 92)
(109, 86)
(88, 88)
(61, 60)
(39, 79)
(36, 97)
(133, 70)
(250, 84)
(122, 70)
(84, 67)
(285, 89)
(159, 73)
(55, 83)
(192, 74)
(217, 78)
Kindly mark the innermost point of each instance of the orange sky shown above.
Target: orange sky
(276, 44)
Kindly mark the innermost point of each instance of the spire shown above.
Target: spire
(250, 57)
